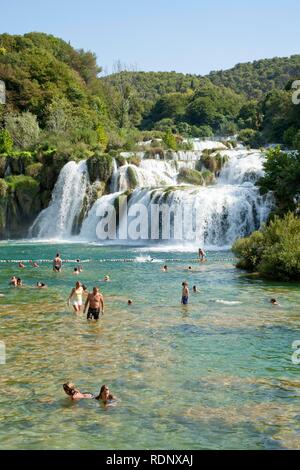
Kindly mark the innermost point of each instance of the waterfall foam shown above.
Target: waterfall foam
(229, 209)
(57, 220)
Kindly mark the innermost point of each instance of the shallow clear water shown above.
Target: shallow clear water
(211, 375)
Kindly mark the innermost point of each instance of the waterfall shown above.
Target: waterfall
(226, 210)
(57, 220)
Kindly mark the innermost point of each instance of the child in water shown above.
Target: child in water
(185, 293)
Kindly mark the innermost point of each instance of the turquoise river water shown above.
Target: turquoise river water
(216, 374)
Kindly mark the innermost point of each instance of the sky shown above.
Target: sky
(189, 36)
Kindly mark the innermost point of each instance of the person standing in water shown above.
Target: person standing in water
(95, 302)
(76, 294)
(201, 254)
(57, 263)
(185, 293)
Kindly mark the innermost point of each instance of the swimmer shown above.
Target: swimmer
(190, 268)
(106, 278)
(76, 295)
(129, 302)
(165, 268)
(57, 263)
(95, 302)
(13, 281)
(75, 394)
(185, 293)
(19, 282)
(76, 271)
(34, 264)
(274, 302)
(105, 394)
(21, 265)
(195, 289)
(40, 285)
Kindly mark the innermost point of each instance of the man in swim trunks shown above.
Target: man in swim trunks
(95, 302)
(185, 293)
(57, 263)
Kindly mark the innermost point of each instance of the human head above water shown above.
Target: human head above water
(69, 388)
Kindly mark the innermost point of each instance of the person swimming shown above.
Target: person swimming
(76, 294)
(185, 293)
(106, 278)
(19, 282)
(21, 265)
(76, 271)
(165, 268)
(195, 289)
(13, 281)
(40, 285)
(130, 302)
(274, 302)
(74, 393)
(34, 264)
(105, 394)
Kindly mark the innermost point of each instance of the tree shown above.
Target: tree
(23, 128)
(6, 142)
(170, 140)
(282, 176)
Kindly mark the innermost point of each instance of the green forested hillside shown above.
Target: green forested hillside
(257, 78)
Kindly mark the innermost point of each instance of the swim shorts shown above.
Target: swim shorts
(93, 313)
(184, 299)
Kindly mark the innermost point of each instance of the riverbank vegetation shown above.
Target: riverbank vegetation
(274, 251)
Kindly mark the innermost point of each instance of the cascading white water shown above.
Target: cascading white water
(57, 220)
(226, 210)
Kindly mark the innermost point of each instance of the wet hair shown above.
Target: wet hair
(129, 301)
(57, 254)
(190, 267)
(194, 287)
(165, 266)
(273, 301)
(75, 270)
(98, 397)
(69, 388)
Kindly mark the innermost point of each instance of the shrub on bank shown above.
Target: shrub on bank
(190, 176)
(273, 252)
(100, 167)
